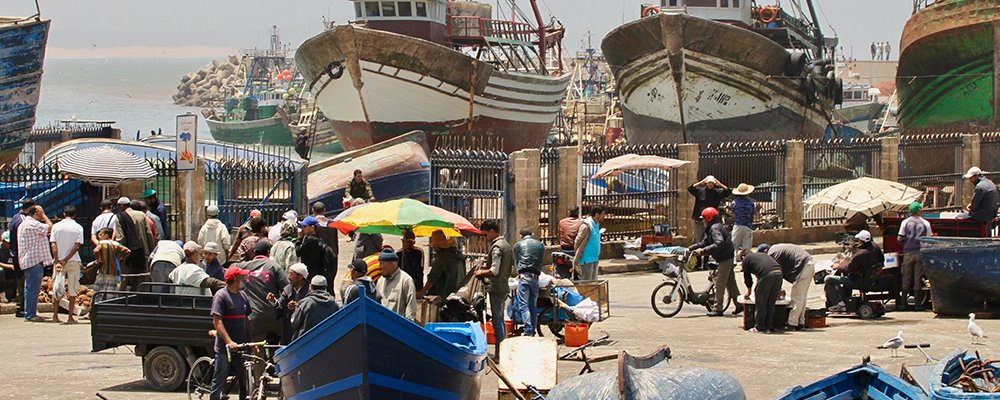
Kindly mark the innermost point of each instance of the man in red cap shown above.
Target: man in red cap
(718, 244)
(230, 316)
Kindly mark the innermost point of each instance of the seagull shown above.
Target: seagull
(893, 344)
(975, 330)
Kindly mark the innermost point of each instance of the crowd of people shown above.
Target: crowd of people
(881, 51)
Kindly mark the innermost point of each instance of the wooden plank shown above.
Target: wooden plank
(529, 360)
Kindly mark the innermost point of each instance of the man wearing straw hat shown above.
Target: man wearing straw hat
(744, 209)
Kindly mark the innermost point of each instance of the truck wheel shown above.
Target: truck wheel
(866, 311)
(164, 368)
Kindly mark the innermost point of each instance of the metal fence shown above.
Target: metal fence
(548, 216)
(827, 163)
(634, 200)
(933, 163)
(473, 184)
(238, 186)
(165, 185)
(989, 148)
(761, 164)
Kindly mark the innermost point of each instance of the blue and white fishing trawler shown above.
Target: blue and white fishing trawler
(22, 51)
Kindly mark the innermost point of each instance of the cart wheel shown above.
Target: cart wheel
(665, 305)
(164, 368)
(556, 328)
(866, 311)
(199, 383)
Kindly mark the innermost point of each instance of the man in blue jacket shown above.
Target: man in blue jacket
(528, 261)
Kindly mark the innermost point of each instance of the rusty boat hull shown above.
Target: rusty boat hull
(676, 86)
(374, 85)
(946, 77)
(22, 53)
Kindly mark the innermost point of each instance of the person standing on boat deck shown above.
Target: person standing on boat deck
(231, 320)
(587, 246)
(359, 188)
(156, 207)
(707, 192)
(264, 277)
(313, 308)
(866, 255)
(528, 253)
(768, 274)
(396, 287)
(499, 266)
(105, 220)
(359, 281)
(411, 258)
(744, 209)
(447, 268)
(569, 227)
(874, 50)
(66, 239)
(881, 51)
(214, 231)
(983, 207)
(888, 51)
(910, 232)
(718, 244)
(291, 294)
(798, 269)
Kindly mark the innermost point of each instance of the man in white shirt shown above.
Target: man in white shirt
(190, 275)
(105, 220)
(66, 239)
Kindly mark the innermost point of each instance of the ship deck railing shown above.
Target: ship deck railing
(473, 30)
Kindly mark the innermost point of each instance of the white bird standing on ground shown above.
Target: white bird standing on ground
(893, 344)
(975, 330)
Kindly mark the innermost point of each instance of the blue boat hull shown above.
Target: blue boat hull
(21, 56)
(964, 274)
(948, 370)
(861, 382)
(411, 184)
(366, 351)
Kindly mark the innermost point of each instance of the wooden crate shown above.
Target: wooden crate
(530, 360)
(598, 292)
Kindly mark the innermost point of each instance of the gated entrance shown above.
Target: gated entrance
(473, 184)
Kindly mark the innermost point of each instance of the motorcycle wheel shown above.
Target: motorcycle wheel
(710, 300)
(664, 306)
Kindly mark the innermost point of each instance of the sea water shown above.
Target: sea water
(134, 92)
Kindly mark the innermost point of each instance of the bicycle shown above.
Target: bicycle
(262, 383)
(677, 290)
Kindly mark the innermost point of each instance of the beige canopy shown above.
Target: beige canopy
(868, 196)
(616, 165)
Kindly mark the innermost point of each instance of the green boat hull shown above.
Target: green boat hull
(268, 131)
(946, 70)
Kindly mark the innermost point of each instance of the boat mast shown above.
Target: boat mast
(542, 46)
(818, 37)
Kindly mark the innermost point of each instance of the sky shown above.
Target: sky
(150, 29)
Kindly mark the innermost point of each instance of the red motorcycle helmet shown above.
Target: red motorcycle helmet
(709, 213)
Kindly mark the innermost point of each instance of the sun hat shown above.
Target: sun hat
(743, 189)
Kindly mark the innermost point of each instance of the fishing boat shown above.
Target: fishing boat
(964, 273)
(647, 378)
(22, 52)
(865, 381)
(861, 109)
(366, 351)
(945, 76)
(395, 168)
(319, 133)
(443, 67)
(706, 71)
(946, 376)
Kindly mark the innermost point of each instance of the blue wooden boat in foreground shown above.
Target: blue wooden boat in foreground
(366, 351)
(22, 51)
(964, 274)
(949, 370)
(865, 381)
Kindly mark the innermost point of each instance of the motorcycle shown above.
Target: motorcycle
(668, 298)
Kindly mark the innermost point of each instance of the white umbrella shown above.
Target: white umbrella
(627, 162)
(868, 196)
(104, 166)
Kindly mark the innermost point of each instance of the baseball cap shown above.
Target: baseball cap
(309, 221)
(290, 215)
(387, 255)
(254, 213)
(972, 172)
(233, 272)
(124, 201)
(915, 207)
(6, 236)
(149, 193)
(359, 266)
(318, 281)
(191, 247)
(213, 211)
(299, 268)
(212, 247)
(864, 236)
(763, 247)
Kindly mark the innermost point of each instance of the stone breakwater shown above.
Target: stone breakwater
(211, 83)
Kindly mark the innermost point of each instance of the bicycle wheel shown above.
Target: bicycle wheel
(199, 382)
(665, 304)
(710, 296)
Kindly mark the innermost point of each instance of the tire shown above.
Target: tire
(165, 369)
(796, 63)
(556, 328)
(199, 382)
(661, 306)
(710, 305)
(866, 311)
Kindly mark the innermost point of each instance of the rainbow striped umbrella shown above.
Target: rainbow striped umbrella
(395, 216)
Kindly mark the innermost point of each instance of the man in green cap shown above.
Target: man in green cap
(910, 232)
(156, 207)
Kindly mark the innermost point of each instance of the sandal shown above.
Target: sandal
(36, 319)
